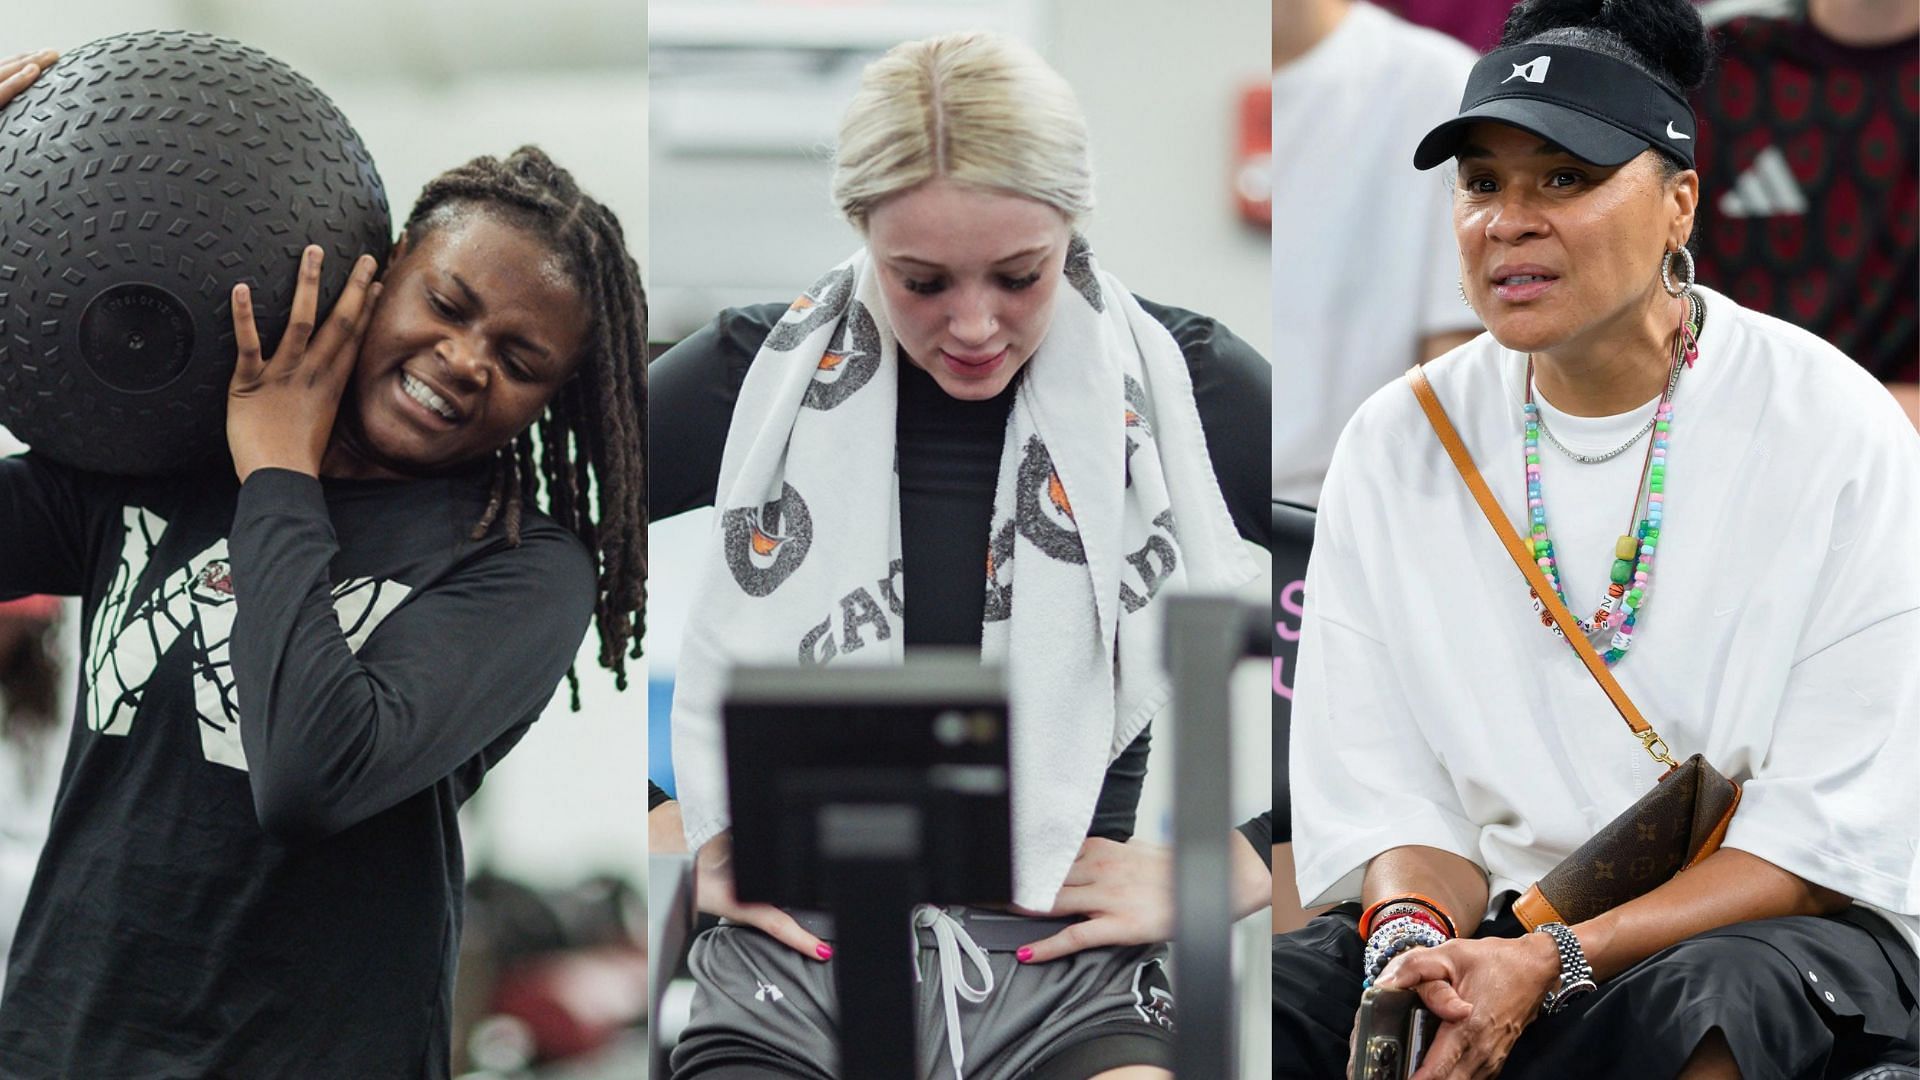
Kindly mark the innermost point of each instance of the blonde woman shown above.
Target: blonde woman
(967, 434)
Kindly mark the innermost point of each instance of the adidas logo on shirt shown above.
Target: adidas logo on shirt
(1766, 189)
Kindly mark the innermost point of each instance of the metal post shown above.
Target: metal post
(1205, 637)
(671, 915)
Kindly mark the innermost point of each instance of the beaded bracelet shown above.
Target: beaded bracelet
(1418, 914)
(1394, 937)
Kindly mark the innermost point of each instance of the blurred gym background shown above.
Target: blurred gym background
(747, 97)
(552, 974)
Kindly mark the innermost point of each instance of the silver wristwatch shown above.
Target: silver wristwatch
(1576, 975)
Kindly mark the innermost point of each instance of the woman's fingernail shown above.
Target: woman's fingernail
(824, 952)
(1024, 954)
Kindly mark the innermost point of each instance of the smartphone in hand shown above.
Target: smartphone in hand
(1390, 1035)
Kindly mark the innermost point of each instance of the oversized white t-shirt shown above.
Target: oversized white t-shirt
(1781, 636)
(1364, 261)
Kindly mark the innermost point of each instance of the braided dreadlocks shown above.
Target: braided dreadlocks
(588, 450)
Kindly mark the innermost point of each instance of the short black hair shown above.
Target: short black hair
(588, 450)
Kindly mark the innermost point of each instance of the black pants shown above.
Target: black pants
(1801, 996)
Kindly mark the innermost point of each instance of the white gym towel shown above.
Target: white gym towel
(1106, 502)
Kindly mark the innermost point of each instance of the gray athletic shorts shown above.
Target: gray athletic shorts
(762, 1010)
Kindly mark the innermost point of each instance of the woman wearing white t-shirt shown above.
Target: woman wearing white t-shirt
(1755, 498)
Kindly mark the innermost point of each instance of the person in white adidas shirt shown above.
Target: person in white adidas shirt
(1449, 750)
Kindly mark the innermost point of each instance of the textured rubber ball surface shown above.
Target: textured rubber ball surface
(141, 177)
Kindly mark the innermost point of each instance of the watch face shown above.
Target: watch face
(1567, 995)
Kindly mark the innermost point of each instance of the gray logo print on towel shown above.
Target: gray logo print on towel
(1041, 507)
(999, 563)
(852, 356)
(1079, 272)
(764, 545)
(822, 304)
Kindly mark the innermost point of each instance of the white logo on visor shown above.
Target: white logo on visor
(1534, 70)
(1675, 133)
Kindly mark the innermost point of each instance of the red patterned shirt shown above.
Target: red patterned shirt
(1808, 159)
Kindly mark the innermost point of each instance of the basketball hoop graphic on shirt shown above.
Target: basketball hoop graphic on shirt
(195, 602)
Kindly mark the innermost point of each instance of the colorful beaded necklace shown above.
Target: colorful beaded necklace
(1631, 578)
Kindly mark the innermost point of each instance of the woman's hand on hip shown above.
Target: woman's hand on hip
(713, 893)
(1126, 892)
(280, 412)
(18, 72)
(1485, 992)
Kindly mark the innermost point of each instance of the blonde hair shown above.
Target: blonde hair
(978, 109)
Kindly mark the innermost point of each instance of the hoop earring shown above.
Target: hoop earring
(1462, 286)
(1666, 272)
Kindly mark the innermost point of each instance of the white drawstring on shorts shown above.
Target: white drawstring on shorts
(951, 940)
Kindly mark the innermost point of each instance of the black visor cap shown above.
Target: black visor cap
(1601, 110)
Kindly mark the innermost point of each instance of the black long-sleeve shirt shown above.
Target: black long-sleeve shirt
(949, 455)
(287, 691)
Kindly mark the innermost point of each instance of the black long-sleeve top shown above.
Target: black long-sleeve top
(288, 689)
(949, 456)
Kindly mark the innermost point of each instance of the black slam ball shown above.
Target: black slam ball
(141, 177)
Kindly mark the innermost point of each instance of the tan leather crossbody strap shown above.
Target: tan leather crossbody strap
(1522, 554)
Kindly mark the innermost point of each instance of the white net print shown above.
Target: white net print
(125, 646)
(362, 604)
(196, 599)
(359, 603)
(214, 698)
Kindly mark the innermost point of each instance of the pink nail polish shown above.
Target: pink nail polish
(824, 952)
(1025, 954)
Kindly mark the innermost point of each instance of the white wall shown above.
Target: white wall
(1161, 85)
